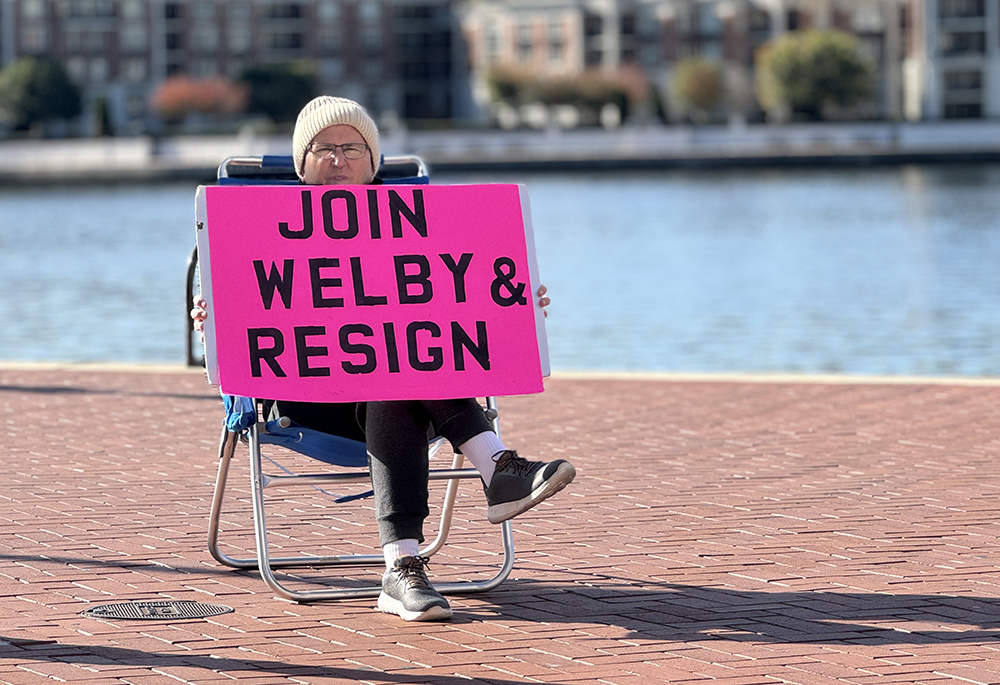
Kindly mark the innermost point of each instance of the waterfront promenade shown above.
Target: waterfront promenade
(731, 531)
(196, 158)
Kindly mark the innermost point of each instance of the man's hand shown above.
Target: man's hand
(200, 312)
(543, 301)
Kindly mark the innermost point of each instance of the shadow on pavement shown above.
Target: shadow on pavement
(92, 654)
(689, 612)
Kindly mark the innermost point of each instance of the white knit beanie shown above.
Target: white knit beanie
(327, 111)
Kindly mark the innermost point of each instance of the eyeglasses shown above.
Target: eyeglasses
(349, 150)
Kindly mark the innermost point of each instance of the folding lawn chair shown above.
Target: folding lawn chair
(246, 423)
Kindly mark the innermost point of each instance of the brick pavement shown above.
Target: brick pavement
(738, 533)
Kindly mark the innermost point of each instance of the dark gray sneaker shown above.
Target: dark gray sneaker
(406, 592)
(518, 484)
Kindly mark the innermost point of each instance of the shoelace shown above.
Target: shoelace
(509, 461)
(412, 570)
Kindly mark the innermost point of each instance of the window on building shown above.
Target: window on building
(682, 20)
(328, 10)
(331, 39)
(205, 38)
(283, 40)
(966, 79)
(73, 39)
(413, 12)
(98, 70)
(34, 39)
(239, 38)
(793, 20)
(868, 19)
(173, 10)
(174, 41)
(132, 9)
(134, 38)
(557, 42)
(239, 9)
(283, 10)
(951, 9)
(712, 50)
(593, 25)
(32, 9)
(415, 71)
(962, 43)
(709, 23)
(371, 38)
(204, 68)
(628, 24)
(369, 11)
(88, 8)
(524, 45)
(870, 48)
(135, 70)
(492, 43)
(373, 68)
(650, 25)
(331, 69)
(136, 105)
(204, 10)
(76, 67)
(650, 55)
(969, 110)
(97, 41)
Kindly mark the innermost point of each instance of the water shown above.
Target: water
(861, 271)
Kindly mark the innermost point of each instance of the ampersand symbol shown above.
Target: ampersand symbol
(504, 268)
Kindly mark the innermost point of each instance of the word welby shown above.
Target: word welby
(412, 277)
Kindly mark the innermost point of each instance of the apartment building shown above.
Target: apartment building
(428, 59)
(955, 70)
(392, 55)
(561, 37)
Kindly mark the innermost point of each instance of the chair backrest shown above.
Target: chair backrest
(279, 170)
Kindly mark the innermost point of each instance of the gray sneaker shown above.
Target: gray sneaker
(406, 592)
(519, 484)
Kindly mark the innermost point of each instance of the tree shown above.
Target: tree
(180, 96)
(279, 91)
(34, 90)
(807, 70)
(698, 85)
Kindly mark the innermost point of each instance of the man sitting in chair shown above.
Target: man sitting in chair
(336, 142)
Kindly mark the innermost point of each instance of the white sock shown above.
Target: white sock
(407, 547)
(480, 450)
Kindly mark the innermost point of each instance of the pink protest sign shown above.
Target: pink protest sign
(357, 293)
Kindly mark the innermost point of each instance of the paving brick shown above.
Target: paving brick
(807, 532)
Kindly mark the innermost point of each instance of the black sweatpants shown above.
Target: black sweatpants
(396, 434)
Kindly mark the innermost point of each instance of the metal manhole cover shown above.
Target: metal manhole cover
(157, 610)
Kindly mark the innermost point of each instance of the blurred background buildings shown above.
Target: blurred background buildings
(507, 63)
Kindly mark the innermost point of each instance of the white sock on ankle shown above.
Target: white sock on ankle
(407, 547)
(480, 450)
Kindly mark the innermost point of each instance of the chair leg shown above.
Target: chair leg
(227, 448)
(266, 565)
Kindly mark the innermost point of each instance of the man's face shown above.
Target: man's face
(337, 170)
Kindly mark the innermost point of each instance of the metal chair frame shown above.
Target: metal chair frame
(257, 435)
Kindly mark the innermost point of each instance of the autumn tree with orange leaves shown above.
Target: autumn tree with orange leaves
(180, 96)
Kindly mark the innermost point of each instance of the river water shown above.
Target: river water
(890, 270)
